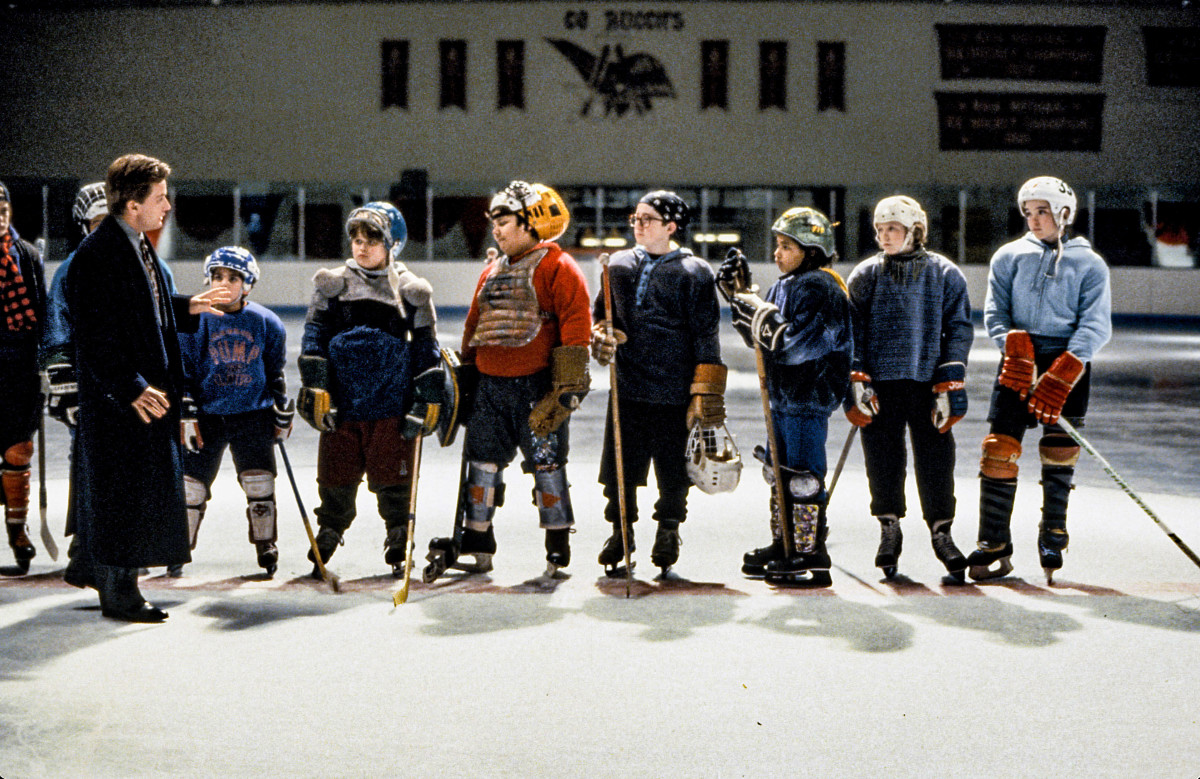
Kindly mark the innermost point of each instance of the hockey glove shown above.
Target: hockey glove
(604, 346)
(757, 321)
(862, 404)
(283, 420)
(314, 403)
(569, 385)
(708, 396)
(734, 275)
(189, 425)
(949, 395)
(1016, 372)
(428, 389)
(1050, 393)
(62, 393)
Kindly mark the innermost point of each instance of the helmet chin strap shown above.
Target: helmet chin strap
(1060, 221)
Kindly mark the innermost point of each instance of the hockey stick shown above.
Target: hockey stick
(616, 422)
(837, 470)
(330, 578)
(1079, 439)
(401, 595)
(785, 529)
(47, 537)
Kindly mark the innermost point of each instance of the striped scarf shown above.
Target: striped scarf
(15, 301)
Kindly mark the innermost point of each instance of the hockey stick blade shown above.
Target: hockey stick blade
(330, 578)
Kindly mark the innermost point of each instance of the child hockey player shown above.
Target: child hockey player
(527, 332)
(23, 304)
(371, 328)
(669, 373)
(802, 329)
(912, 335)
(1049, 309)
(236, 398)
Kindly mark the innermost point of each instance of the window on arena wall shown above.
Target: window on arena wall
(510, 74)
(453, 59)
(393, 74)
(772, 75)
(831, 76)
(714, 75)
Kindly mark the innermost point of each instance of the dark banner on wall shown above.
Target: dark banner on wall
(1014, 121)
(714, 74)
(831, 75)
(1027, 53)
(1172, 56)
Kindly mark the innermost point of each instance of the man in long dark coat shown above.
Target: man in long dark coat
(126, 473)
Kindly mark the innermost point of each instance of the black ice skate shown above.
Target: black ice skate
(447, 553)
(666, 545)
(268, 557)
(989, 553)
(558, 550)
(328, 541)
(809, 569)
(1052, 542)
(754, 562)
(612, 556)
(946, 551)
(395, 550)
(887, 558)
(23, 549)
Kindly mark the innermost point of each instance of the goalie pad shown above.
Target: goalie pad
(439, 396)
(552, 497)
(195, 495)
(1000, 456)
(484, 492)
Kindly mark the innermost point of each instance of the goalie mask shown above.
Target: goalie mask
(1055, 192)
(399, 226)
(236, 259)
(537, 205)
(807, 227)
(713, 461)
(90, 203)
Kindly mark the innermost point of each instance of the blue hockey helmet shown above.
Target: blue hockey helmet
(399, 226)
(236, 259)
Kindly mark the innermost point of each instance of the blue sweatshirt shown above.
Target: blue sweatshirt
(234, 363)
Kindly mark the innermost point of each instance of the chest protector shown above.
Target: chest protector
(509, 314)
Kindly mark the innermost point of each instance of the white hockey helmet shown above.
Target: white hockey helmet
(902, 209)
(713, 461)
(1055, 192)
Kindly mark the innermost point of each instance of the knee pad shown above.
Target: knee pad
(195, 494)
(19, 455)
(1058, 450)
(802, 486)
(484, 492)
(552, 497)
(1000, 455)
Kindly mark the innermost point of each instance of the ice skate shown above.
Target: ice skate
(666, 545)
(947, 551)
(447, 553)
(175, 571)
(1052, 542)
(891, 539)
(327, 543)
(809, 569)
(268, 557)
(754, 562)
(395, 550)
(23, 549)
(612, 556)
(558, 551)
(999, 554)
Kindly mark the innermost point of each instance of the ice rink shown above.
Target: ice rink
(707, 675)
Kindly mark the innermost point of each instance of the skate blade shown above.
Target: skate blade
(619, 571)
(889, 571)
(482, 564)
(955, 577)
(812, 578)
(984, 572)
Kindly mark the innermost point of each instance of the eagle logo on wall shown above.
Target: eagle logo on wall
(619, 81)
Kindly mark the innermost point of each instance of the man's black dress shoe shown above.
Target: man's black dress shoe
(144, 613)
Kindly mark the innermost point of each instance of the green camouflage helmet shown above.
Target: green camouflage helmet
(807, 227)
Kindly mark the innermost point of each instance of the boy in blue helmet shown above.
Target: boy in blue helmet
(236, 399)
(370, 329)
(803, 331)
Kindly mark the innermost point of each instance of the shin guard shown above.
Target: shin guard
(14, 481)
(195, 494)
(551, 495)
(484, 492)
(259, 486)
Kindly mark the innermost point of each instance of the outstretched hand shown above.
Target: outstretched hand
(207, 301)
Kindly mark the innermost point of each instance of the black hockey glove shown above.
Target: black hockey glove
(62, 393)
(283, 419)
(756, 320)
(734, 275)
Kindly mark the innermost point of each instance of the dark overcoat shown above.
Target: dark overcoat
(126, 475)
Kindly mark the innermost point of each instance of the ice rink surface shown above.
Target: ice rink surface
(709, 674)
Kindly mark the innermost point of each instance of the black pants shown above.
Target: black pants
(650, 433)
(250, 438)
(908, 405)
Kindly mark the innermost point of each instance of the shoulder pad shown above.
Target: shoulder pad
(415, 289)
(330, 283)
